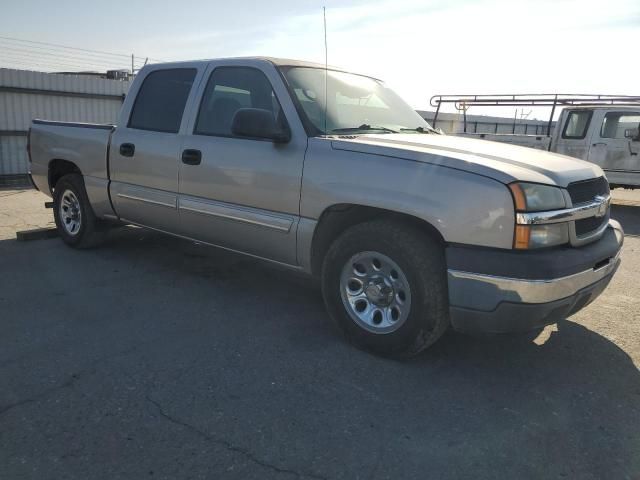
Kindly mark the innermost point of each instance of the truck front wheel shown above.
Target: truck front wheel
(384, 282)
(74, 217)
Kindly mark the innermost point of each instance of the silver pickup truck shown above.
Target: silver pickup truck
(331, 173)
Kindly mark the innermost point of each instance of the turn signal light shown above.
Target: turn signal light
(522, 237)
(519, 199)
(540, 236)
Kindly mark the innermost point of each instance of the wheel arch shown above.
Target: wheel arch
(337, 218)
(58, 168)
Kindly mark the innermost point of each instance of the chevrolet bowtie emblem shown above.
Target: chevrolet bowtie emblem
(604, 205)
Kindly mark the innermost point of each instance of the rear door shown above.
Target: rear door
(617, 155)
(145, 148)
(242, 193)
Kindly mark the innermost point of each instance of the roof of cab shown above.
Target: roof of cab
(280, 62)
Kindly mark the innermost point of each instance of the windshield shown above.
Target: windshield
(357, 104)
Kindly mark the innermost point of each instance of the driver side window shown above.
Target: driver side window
(229, 89)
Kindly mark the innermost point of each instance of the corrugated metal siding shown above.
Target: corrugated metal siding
(13, 155)
(61, 83)
(17, 109)
(20, 108)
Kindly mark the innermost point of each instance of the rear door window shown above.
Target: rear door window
(577, 124)
(160, 102)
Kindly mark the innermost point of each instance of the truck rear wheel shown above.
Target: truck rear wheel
(74, 217)
(384, 282)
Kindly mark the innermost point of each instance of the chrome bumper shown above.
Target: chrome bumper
(485, 288)
(504, 303)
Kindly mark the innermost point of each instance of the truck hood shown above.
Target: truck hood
(500, 161)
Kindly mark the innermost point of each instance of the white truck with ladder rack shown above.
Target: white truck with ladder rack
(602, 129)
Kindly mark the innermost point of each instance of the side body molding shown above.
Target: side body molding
(253, 216)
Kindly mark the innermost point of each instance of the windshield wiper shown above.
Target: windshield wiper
(364, 127)
(419, 130)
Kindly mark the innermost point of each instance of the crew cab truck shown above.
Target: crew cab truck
(331, 173)
(602, 129)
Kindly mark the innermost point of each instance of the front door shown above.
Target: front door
(616, 154)
(145, 150)
(573, 138)
(235, 192)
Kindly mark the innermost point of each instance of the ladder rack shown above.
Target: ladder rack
(553, 100)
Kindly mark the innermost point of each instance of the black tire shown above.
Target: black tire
(421, 259)
(91, 231)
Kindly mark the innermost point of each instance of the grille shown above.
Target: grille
(588, 225)
(584, 191)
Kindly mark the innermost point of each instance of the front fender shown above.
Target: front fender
(465, 208)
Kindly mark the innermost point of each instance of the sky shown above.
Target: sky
(419, 47)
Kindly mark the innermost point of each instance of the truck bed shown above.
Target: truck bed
(85, 144)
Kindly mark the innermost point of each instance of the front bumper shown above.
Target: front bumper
(504, 291)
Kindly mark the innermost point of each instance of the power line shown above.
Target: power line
(65, 46)
(17, 65)
(57, 59)
(23, 56)
(38, 57)
(11, 44)
(45, 65)
(56, 46)
(64, 54)
(52, 62)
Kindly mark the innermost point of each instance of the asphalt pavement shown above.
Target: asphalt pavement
(154, 357)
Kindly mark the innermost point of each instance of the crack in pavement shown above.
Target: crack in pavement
(69, 382)
(228, 445)
(74, 378)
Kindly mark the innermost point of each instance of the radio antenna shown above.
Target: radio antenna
(326, 68)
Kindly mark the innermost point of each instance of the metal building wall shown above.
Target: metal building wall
(25, 95)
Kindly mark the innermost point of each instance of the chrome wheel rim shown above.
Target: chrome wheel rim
(70, 214)
(375, 292)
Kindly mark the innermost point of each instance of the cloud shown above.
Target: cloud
(422, 48)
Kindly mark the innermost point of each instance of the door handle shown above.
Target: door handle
(191, 157)
(599, 144)
(127, 149)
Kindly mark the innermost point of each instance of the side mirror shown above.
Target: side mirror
(258, 123)
(631, 133)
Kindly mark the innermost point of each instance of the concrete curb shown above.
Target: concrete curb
(36, 234)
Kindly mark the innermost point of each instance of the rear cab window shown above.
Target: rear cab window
(577, 124)
(161, 100)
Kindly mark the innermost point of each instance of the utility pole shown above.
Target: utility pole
(132, 63)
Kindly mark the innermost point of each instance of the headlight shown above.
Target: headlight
(532, 197)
